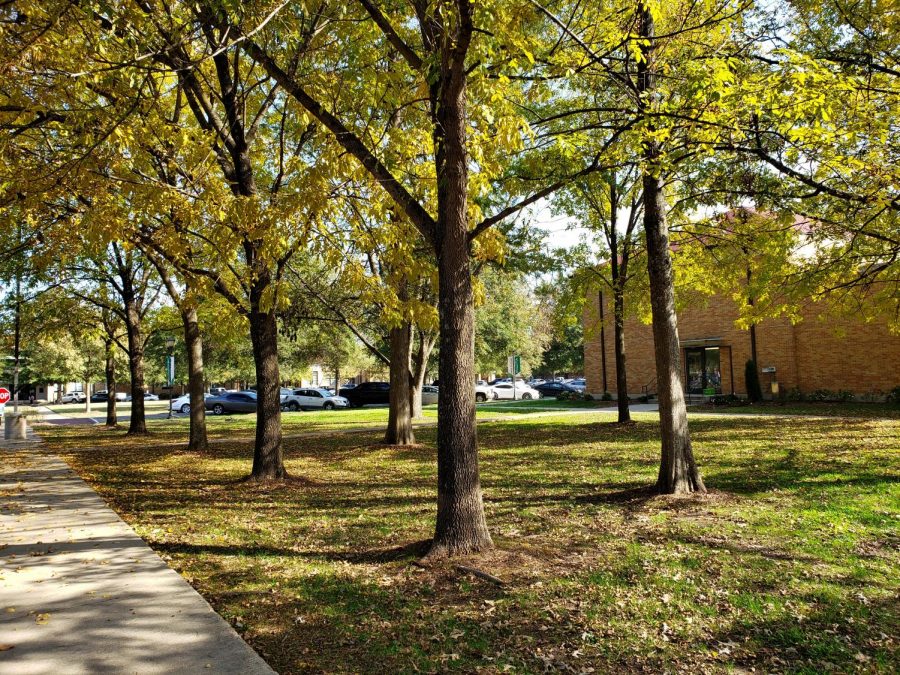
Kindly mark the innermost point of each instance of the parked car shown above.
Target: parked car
(484, 392)
(551, 389)
(232, 401)
(367, 393)
(578, 383)
(147, 397)
(182, 404)
(311, 398)
(522, 391)
(102, 396)
(429, 394)
(73, 397)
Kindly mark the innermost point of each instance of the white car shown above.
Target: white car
(311, 398)
(484, 392)
(182, 404)
(73, 397)
(522, 391)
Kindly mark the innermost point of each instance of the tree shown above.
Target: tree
(508, 320)
(120, 281)
(186, 301)
(432, 48)
(599, 200)
(674, 104)
(55, 358)
(677, 471)
(213, 162)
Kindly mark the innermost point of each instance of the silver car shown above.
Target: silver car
(311, 398)
(429, 394)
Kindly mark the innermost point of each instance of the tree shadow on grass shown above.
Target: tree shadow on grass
(410, 551)
(822, 641)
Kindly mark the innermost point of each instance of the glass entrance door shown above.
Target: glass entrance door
(694, 366)
(703, 370)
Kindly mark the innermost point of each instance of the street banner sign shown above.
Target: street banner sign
(4, 396)
(514, 364)
(170, 370)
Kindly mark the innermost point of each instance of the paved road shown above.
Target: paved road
(80, 592)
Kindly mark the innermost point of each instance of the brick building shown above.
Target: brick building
(837, 354)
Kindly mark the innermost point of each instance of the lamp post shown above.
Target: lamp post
(170, 369)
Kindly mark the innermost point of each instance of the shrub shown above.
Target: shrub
(872, 396)
(751, 377)
(607, 396)
(845, 396)
(729, 399)
(571, 396)
(893, 396)
(822, 395)
(795, 395)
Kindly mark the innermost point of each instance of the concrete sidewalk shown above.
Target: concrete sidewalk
(80, 592)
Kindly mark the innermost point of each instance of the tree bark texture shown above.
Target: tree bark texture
(268, 461)
(111, 417)
(138, 423)
(461, 525)
(399, 427)
(193, 340)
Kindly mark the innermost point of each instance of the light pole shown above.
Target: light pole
(170, 370)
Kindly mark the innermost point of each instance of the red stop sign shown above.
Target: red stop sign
(4, 396)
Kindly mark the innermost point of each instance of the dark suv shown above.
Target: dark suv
(549, 389)
(366, 393)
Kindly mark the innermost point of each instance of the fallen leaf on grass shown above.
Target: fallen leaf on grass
(5, 647)
(42, 619)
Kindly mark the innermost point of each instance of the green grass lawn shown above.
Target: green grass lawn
(303, 422)
(823, 409)
(788, 565)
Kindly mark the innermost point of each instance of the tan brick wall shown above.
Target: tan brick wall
(814, 354)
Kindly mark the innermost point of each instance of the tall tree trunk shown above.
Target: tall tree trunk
(399, 428)
(461, 525)
(138, 423)
(619, 339)
(677, 470)
(268, 460)
(425, 343)
(111, 417)
(193, 340)
(619, 274)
